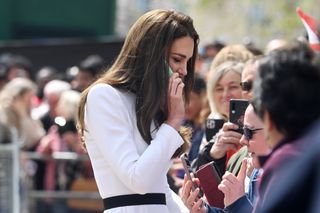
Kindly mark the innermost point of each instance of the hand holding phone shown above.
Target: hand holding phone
(186, 166)
(210, 178)
(212, 127)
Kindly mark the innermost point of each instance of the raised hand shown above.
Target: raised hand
(191, 199)
(176, 104)
(226, 139)
(232, 186)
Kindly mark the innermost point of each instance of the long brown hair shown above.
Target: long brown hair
(141, 66)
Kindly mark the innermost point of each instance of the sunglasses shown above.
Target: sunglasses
(248, 133)
(246, 85)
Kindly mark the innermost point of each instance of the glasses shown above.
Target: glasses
(248, 133)
(246, 85)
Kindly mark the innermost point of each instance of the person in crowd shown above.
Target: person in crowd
(301, 193)
(17, 66)
(275, 44)
(280, 72)
(232, 52)
(130, 118)
(206, 154)
(15, 111)
(234, 186)
(43, 76)
(19, 126)
(283, 108)
(61, 137)
(46, 112)
(193, 117)
(88, 71)
(223, 85)
(247, 78)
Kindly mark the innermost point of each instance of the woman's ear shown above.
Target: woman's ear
(268, 128)
(268, 124)
(272, 135)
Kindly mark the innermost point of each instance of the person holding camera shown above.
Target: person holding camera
(130, 118)
(286, 126)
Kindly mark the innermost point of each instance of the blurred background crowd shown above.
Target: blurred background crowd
(50, 51)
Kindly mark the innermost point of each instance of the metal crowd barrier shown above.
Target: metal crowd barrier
(65, 195)
(9, 178)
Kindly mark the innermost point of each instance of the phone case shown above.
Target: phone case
(209, 178)
(212, 127)
(237, 110)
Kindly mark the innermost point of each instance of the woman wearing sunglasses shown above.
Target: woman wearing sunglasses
(233, 186)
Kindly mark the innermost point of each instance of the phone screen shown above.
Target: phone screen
(237, 110)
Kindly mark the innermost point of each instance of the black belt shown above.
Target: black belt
(134, 199)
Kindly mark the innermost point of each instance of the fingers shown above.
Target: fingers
(243, 171)
(228, 136)
(198, 207)
(229, 126)
(175, 85)
(192, 199)
(250, 166)
(230, 177)
(228, 180)
(186, 189)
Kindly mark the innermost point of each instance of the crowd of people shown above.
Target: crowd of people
(153, 104)
(39, 113)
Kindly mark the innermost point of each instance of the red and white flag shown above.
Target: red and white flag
(312, 26)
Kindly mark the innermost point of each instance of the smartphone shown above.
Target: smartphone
(210, 177)
(212, 127)
(236, 113)
(186, 166)
(170, 71)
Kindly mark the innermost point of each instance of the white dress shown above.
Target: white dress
(122, 162)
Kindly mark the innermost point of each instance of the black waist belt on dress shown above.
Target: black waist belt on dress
(134, 199)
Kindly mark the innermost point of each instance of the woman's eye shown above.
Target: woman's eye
(176, 60)
(234, 87)
(219, 89)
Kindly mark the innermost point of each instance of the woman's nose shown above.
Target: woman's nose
(244, 141)
(183, 71)
(226, 93)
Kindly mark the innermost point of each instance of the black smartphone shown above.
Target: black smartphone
(212, 127)
(236, 113)
(186, 166)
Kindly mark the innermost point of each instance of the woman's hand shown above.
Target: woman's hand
(176, 104)
(226, 139)
(250, 166)
(191, 198)
(232, 186)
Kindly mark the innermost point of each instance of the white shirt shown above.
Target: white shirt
(122, 161)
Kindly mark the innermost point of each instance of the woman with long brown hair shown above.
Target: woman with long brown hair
(130, 118)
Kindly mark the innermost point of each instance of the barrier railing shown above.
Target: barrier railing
(9, 178)
(85, 196)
